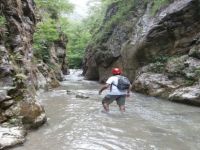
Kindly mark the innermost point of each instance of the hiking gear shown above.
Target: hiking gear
(116, 71)
(123, 83)
(113, 90)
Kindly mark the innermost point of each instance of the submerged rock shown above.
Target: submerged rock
(82, 96)
(78, 94)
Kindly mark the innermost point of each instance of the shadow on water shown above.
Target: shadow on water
(77, 123)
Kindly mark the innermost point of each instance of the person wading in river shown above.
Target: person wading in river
(119, 88)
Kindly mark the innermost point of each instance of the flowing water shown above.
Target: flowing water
(77, 123)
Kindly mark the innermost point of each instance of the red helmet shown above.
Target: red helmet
(116, 71)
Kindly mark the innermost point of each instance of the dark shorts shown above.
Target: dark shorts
(120, 99)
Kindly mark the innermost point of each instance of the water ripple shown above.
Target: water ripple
(79, 124)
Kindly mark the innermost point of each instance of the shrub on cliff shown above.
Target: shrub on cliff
(157, 4)
(49, 28)
(2, 21)
(45, 34)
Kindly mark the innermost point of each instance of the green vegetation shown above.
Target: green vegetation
(50, 27)
(189, 82)
(157, 4)
(46, 33)
(78, 35)
(2, 27)
(54, 8)
(2, 21)
(116, 18)
(158, 67)
(160, 58)
(93, 29)
(159, 63)
(197, 74)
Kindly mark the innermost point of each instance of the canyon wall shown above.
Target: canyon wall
(21, 75)
(158, 52)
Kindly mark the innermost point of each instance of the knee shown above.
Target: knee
(104, 104)
(122, 108)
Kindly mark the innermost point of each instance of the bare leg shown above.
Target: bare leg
(122, 108)
(106, 107)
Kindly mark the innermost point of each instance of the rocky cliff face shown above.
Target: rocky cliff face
(52, 74)
(160, 52)
(20, 76)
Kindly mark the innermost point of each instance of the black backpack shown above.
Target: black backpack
(123, 83)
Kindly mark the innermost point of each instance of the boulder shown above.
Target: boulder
(33, 115)
(189, 95)
(175, 65)
(11, 136)
(192, 69)
(195, 50)
(3, 95)
(154, 84)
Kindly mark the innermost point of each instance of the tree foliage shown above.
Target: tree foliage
(2, 21)
(78, 35)
(80, 32)
(49, 28)
(54, 7)
(46, 31)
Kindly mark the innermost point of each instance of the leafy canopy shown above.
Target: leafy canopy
(78, 37)
(55, 8)
(49, 27)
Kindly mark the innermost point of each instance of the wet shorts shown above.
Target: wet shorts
(120, 99)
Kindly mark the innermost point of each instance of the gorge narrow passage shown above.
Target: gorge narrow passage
(77, 123)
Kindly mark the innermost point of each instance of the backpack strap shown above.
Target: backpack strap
(111, 87)
(113, 84)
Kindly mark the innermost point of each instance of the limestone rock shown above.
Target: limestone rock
(187, 95)
(134, 42)
(3, 95)
(33, 115)
(19, 75)
(82, 96)
(171, 31)
(175, 66)
(154, 84)
(78, 94)
(7, 104)
(195, 50)
(11, 136)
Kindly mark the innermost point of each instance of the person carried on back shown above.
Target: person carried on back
(119, 88)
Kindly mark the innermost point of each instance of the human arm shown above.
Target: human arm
(103, 88)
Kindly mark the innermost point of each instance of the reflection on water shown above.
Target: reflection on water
(79, 124)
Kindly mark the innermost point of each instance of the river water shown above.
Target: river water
(77, 123)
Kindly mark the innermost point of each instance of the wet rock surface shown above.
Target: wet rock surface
(154, 84)
(11, 136)
(189, 95)
(20, 76)
(78, 94)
